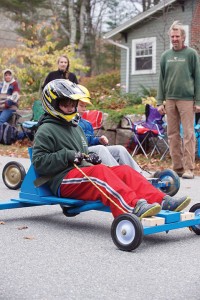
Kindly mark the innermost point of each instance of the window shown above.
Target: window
(144, 56)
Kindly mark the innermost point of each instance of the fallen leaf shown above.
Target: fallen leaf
(2, 223)
(22, 227)
(29, 237)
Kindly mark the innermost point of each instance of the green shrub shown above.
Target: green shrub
(108, 96)
(148, 92)
(101, 83)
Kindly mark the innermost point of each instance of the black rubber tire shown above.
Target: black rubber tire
(196, 209)
(13, 175)
(66, 213)
(171, 177)
(127, 232)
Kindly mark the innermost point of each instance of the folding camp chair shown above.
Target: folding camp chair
(95, 117)
(153, 128)
(29, 127)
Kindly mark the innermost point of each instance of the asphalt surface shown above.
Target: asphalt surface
(46, 256)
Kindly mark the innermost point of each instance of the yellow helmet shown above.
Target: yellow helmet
(59, 89)
(87, 93)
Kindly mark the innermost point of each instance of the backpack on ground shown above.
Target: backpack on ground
(8, 134)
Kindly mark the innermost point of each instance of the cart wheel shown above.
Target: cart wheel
(196, 209)
(13, 175)
(127, 232)
(172, 181)
(66, 213)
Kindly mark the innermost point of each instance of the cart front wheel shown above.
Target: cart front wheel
(13, 175)
(127, 232)
(196, 209)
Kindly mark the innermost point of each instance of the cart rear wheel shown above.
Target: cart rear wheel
(172, 181)
(13, 175)
(127, 232)
(196, 209)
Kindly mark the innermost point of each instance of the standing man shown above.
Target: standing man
(179, 98)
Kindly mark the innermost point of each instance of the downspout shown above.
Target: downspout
(127, 61)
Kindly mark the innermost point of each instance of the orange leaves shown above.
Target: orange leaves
(18, 149)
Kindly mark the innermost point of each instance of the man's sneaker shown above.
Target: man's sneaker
(174, 204)
(188, 174)
(144, 209)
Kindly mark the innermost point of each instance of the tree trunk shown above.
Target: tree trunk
(87, 40)
(72, 22)
(146, 4)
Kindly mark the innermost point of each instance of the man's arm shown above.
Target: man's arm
(197, 82)
(196, 108)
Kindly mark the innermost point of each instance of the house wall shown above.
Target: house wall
(157, 26)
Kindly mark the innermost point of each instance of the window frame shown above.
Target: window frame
(139, 41)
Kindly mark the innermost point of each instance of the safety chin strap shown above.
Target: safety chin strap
(75, 120)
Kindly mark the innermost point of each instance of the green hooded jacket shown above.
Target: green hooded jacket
(55, 145)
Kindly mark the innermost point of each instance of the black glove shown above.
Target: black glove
(93, 158)
(78, 158)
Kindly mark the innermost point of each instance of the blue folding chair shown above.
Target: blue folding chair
(153, 128)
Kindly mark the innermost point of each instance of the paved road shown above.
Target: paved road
(46, 256)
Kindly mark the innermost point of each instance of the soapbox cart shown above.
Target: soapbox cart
(127, 230)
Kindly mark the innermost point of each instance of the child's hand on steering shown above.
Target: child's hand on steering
(103, 140)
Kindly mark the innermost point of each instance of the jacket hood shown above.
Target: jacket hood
(7, 70)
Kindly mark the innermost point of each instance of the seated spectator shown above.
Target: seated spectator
(9, 96)
(110, 155)
(62, 72)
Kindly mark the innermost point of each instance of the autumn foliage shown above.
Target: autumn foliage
(34, 58)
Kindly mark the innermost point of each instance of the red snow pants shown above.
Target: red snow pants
(122, 184)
